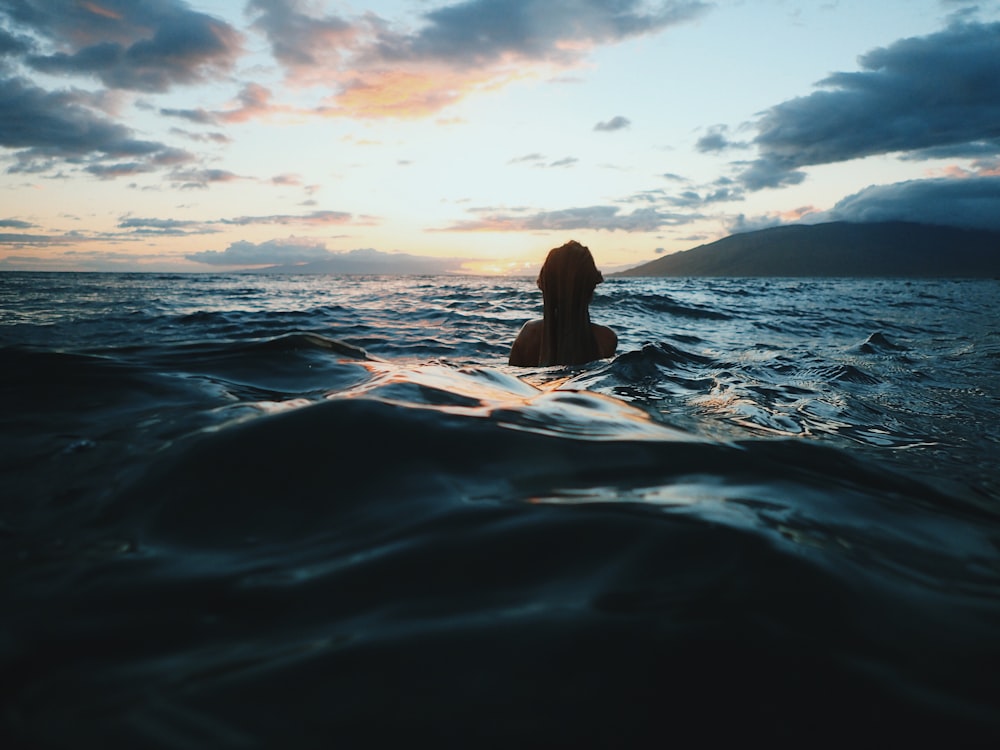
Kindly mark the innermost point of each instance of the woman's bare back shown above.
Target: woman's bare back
(527, 348)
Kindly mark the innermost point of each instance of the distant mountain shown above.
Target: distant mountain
(885, 249)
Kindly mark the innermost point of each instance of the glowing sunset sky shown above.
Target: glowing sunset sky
(474, 135)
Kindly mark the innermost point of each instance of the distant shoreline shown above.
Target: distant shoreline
(900, 250)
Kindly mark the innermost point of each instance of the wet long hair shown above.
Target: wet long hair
(567, 281)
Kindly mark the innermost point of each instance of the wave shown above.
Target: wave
(493, 437)
(450, 528)
(658, 304)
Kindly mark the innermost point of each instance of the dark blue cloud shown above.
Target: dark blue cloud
(15, 224)
(471, 33)
(716, 140)
(143, 45)
(916, 97)
(481, 31)
(615, 123)
(199, 116)
(59, 124)
(972, 202)
(13, 44)
(298, 38)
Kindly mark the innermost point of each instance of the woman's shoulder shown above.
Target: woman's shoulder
(532, 325)
(527, 345)
(607, 340)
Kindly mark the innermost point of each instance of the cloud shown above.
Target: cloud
(540, 161)
(716, 140)
(60, 124)
(121, 169)
(17, 240)
(316, 218)
(743, 223)
(142, 45)
(15, 224)
(305, 44)
(721, 190)
(13, 44)
(712, 142)
(314, 257)
(378, 70)
(567, 161)
(712, 194)
(147, 225)
(216, 137)
(199, 116)
(254, 101)
(608, 218)
(482, 33)
(52, 240)
(273, 252)
(95, 260)
(187, 179)
(972, 202)
(771, 171)
(916, 97)
(615, 123)
(287, 179)
(168, 227)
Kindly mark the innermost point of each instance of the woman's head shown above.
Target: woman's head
(569, 272)
(567, 280)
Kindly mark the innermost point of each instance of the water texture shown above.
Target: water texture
(249, 511)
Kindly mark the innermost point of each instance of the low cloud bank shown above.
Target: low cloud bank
(972, 203)
(304, 256)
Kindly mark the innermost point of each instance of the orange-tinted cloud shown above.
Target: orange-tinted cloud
(377, 70)
(796, 213)
(254, 102)
(99, 10)
(408, 93)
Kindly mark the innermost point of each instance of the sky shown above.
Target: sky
(471, 136)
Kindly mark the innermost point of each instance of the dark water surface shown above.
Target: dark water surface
(248, 511)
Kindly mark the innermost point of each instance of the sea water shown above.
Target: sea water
(314, 511)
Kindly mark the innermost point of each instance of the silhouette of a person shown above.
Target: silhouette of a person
(565, 336)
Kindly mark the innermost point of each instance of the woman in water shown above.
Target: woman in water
(565, 336)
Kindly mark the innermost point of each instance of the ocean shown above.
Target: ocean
(252, 511)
